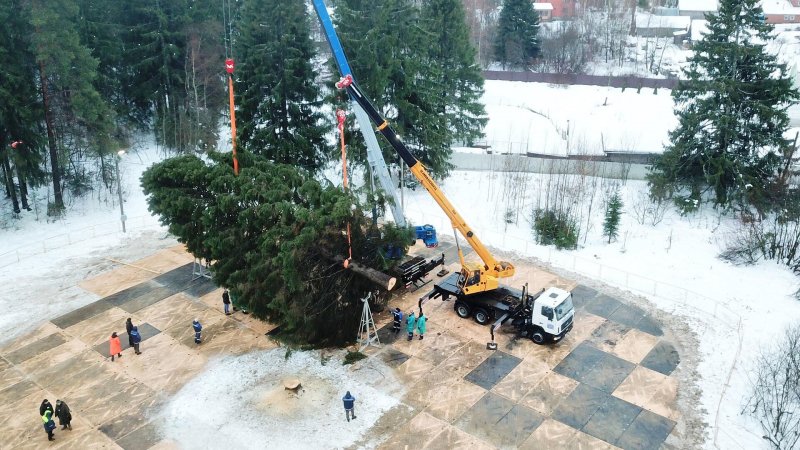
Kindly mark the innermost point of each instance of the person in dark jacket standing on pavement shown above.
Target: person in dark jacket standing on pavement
(197, 330)
(349, 406)
(49, 424)
(45, 406)
(63, 414)
(136, 338)
(128, 328)
(397, 317)
(226, 302)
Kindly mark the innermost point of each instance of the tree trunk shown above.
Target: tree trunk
(9, 181)
(381, 279)
(23, 189)
(51, 142)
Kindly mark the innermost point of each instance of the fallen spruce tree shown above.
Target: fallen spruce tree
(275, 236)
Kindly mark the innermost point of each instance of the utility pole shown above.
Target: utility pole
(119, 189)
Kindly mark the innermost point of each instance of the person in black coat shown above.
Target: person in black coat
(226, 302)
(128, 328)
(45, 406)
(63, 414)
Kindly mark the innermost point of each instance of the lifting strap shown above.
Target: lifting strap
(340, 117)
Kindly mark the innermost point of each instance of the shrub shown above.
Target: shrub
(775, 396)
(552, 228)
(352, 357)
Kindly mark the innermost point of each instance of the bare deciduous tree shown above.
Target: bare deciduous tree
(775, 398)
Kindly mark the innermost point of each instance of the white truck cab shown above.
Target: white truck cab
(552, 315)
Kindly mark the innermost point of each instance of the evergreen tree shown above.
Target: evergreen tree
(20, 113)
(460, 81)
(74, 112)
(731, 112)
(273, 234)
(392, 51)
(517, 39)
(613, 214)
(278, 96)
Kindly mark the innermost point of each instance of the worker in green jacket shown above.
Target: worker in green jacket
(421, 325)
(411, 322)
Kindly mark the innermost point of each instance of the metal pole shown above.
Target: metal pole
(119, 190)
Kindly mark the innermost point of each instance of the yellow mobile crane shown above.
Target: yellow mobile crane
(544, 317)
(475, 277)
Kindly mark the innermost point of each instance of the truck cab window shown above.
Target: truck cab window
(547, 312)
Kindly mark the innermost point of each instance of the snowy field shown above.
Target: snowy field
(564, 120)
(678, 256)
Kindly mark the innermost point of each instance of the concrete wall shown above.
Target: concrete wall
(520, 163)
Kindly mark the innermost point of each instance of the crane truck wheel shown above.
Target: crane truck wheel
(481, 316)
(538, 337)
(462, 310)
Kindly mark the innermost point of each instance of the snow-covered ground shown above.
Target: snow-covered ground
(563, 120)
(677, 256)
(240, 402)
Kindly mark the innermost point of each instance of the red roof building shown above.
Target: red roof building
(561, 8)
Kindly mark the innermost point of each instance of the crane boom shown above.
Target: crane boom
(374, 156)
(492, 269)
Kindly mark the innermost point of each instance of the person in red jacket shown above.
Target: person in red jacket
(115, 347)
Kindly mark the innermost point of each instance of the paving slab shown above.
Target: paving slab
(581, 295)
(92, 309)
(608, 335)
(142, 438)
(493, 369)
(116, 280)
(612, 419)
(481, 420)
(393, 358)
(179, 277)
(628, 315)
(149, 298)
(648, 431)
(634, 346)
(580, 406)
(522, 380)
(200, 287)
(412, 370)
(440, 346)
(35, 348)
(662, 358)
(603, 306)
(650, 326)
(550, 435)
(458, 398)
(132, 292)
(16, 391)
(607, 373)
(9, 377)
(549, 393)
(579, 361)
(165, 260)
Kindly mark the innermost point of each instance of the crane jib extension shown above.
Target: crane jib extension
(500, 269)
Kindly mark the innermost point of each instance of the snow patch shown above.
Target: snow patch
(240, 402)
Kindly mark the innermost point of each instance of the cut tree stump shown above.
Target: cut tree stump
(292, 384)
